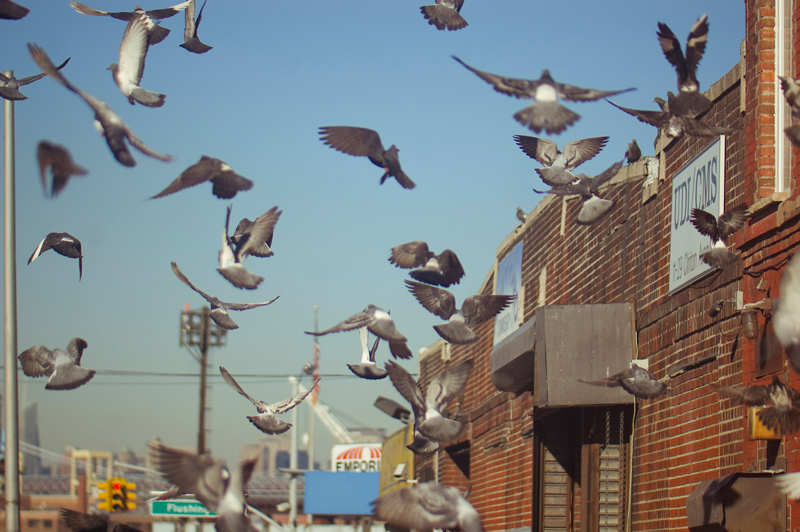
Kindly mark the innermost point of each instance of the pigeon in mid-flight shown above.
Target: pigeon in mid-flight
(428, 506)
(443, 269)
(593, 207)
(110, 124)
(380, 323)
(429, 406)
(791, 93)
(191, 41)
(545, 113)
(62, 243)
(460, 321)
(719, 230)
(266, 420)
(635, 380)
(367, 368)
(12, 11)
(674, 125)
(226, 182)
(81, 522)
(689, 101)
(633, 153)
(219, 308)
(132, 52)
(782, 413)
(63, 367)
(363, 142)
(158, 33)
(255, 237)
(786, 317)
(9, 85)
(445, 15)
(59, 161)
(558, 165)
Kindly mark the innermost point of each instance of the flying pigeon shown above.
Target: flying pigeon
(379, 323)
(719, 230)
(429, 406)
(9, 86)
(445, 14)
(12, 11)
(110, 124)
(782, 414)
(558, 165)
(789, 483)
(226, 182)
(63, 244)
(635, 380)
(209, 480)
(674, 125)
(159, 33)
(219, 309)
(633, 153)
(367, 369)
(191, 40)
(255, 237)
(428, 506)
(363, 142)
(786, 317)
(545, 113)
(81, 522)
(443, 269)
(791, 93)
(690, 101)
(132, 52)
(231, 258)
(266, 420)
(474, 310)
(60, 162)
(63, 367)
(593, 207)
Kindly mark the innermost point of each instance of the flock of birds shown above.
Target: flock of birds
(427, 505)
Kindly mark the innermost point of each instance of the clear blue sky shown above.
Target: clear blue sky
(278, 71)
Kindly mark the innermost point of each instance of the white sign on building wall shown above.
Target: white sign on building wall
(509, 282)
(700, 184)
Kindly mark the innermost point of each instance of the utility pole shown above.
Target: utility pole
(198, 333)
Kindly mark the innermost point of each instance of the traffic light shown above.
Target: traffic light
(122, 495)
(104, 496)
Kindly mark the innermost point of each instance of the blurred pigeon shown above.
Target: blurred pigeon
(558, 165)
(219, 309)
(63, 244)
(521, 216)
(81, 522)
(363, 142)
(379, 323)
(791, 93)
(266, 421)
(12, 11)
(110, 124)
(428, 506)
(719, 230)
(545, 113)
(367, 369)
(191, 40)
(443, 269)
(793, 134)
(132, 52)
(593, 207)
(690, 101)
(635, 380)
(782, 414)
(474, 310)
(9, 86)
(158, 33)
(674, 125)
(662, 103)
(231, 259)
(634, 153)
(445, 14)
(63, 367)
(429, 406)
(60, 162)
(255, 237)
(210, 481)
(789, 483)
(226, 182)
(786, 317)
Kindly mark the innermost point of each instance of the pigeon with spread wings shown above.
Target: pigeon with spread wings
(62, 243)
(441, 269)
(545, 113)
(367, 368)
(226, 183)
(266, 421)
(255, 237)
(379, 323)
(674, 125)
(63, 367)
(130, 69)
(445, 15)
(59, 161)
(593, 207)
(192, 42)
(558, 165)
(110, 124)
(428, 506)
(782, 413)
(635, 380)
(689, 101)
(719, 230)
(9, 85)
(233, 254)
(159, 33)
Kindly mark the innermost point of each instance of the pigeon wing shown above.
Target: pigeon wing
(705, 223)
(288, 404)
(203, 476)
(362, 319)
(732, 220)
(180, 275)
(479, 308)
(519, 88)
(203, 170)
(81, 522)
(133, 49)
(749, 395)
(144, 148)
(542, 150)
(228, 183)
(448, 385)
(579, 94)
(600, 179)
(654, 118)
(37, 77)
(410, 254)
(75, 349)
(451, 267)
(578, 152)
(407, 387)
(235, 385)
(437, 301)
(260, 232)
(37, 361)
(358, 141)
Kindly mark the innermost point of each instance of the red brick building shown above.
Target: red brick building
(543, 451)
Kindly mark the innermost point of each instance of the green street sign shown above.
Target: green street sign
(187, 507)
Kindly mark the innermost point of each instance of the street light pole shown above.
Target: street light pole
(293, 463)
